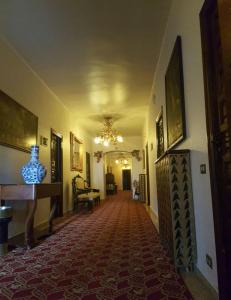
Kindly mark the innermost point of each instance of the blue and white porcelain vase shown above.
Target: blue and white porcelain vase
(33, 172)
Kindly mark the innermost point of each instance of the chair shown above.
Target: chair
(83, 195)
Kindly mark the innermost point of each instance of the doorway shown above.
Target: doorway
(216, 45)
(57, 170)
(147, 174)
(126, 174)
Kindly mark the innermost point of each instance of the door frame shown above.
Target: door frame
(130, 178)
(88, 167)
(216, 184)
(59, 135)
(147, 174)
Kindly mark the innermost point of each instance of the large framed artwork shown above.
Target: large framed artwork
(160, 134)
(18, 125)
(174, 86)
(76, 147)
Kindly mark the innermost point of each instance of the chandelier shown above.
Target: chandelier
(123, 161)
(108, 135)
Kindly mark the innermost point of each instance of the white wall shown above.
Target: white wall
(137, 168)
(98, 178)
(23, 85)
(184, 21)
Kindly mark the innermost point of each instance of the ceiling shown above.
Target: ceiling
(97, 56)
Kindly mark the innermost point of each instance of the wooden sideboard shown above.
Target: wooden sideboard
(31, 193)
(175, 207)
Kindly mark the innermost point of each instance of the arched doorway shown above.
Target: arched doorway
(118, 170)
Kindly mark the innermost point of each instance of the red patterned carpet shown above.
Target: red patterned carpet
(113, 253)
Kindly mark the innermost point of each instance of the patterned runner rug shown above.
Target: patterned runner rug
(113, 253)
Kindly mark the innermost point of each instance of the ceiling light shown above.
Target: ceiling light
(97, 140)
(120, 139)
(106, 143)
(122, 160)
(108, 135)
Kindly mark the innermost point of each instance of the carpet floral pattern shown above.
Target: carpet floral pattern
(113, 253)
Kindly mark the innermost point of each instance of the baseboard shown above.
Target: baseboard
(210, 287)
(153, 216)
(199, 286)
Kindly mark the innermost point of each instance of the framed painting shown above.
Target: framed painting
(18, 125)
(174, 87)
(160, 134)
(76, 147)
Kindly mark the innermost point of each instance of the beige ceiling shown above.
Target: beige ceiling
(97, 56)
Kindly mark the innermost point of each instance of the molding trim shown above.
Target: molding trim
(199, 286)
(153, 216)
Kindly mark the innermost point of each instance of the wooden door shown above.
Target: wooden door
(126, 180)
(216, 44)
(88, 169)
(147, 173)
(57, 169)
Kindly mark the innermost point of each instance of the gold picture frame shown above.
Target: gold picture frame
(175, 108)
(76, 147)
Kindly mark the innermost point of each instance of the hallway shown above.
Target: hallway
(113, 253)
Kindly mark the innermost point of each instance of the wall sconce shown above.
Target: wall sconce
(98, 155)
(136, 154)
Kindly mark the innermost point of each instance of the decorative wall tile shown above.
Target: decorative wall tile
(175, 204)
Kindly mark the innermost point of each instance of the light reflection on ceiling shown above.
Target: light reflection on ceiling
(98, 57)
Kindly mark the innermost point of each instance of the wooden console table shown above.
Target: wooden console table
(31, 193)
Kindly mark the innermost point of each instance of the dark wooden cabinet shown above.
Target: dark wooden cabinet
(111, 187)
(175, 207)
